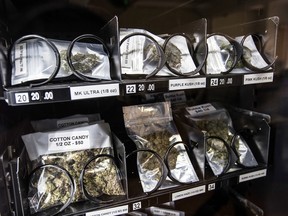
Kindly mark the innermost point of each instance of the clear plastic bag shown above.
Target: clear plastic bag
(71, 149)
(151, 126)
(223, 144)
(253, 58)
(140, 55)
(34, 59)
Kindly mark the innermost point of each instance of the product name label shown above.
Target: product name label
(132, 51)
(68, 141)
(188, 193)
(180, 84)
(20, 62)
(258, 78)
(201, 109)
(252, 175)
(94, 91)
(110, 212)
(164, 212)
(70, 122)
(175, 97)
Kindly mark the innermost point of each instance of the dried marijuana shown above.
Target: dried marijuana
(53, 187)
(102, 177)
(70, 149)
(216, 147)
(83, 62)
(151, 53)
(160, 142)
(57, 189)
(173, 56)
(151, 126)
(216, 127)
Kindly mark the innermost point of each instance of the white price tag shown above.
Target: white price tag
(252, 175)
(188, 193)
(120, 210)
(258, 78)
(68, 141)
(94, 91)
(180, 84)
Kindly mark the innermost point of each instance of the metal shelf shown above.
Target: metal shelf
(166, 195)
(52, 93)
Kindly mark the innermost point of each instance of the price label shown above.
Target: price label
(35, 96)
(151, 87)
(141, 87)
(68, 141)
(222, 81)
(48, 95)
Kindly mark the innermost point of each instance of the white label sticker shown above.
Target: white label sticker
(137, 205)
(179, 84)
(131, 89)
(110, 212)
(94, 91)
(68, 141)
(252, 175)
(201, 109)
(22, 98)
(70, 122)
(137, 213)
(164, 212)
(211, 186)
(20, 59)
(258, 78)
(188, 193)
(214, 82)
(175, 97)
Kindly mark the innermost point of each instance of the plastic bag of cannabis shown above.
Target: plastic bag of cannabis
(215, 121)
(140, 55)
(217, 59)
(34, 59)
(70, 150)
(52, 124)
(151, 126)
(253, 55)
